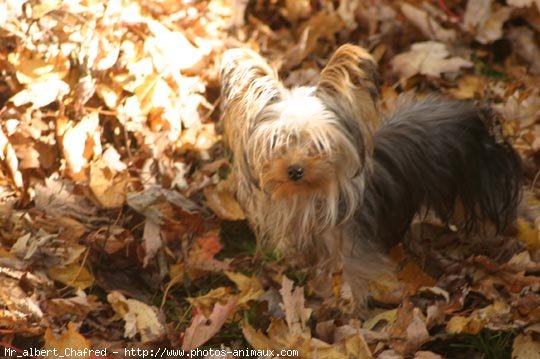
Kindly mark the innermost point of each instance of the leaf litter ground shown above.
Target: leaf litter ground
(118, 224)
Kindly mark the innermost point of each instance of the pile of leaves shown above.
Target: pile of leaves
(118, 224)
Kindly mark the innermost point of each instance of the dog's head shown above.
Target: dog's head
(306, 145)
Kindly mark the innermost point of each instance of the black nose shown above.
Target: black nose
(295, 173)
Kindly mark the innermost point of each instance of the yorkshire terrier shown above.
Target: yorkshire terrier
(321, 173)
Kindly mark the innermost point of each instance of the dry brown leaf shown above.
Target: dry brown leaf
(19, 311)
(523, 108)
(220, 199)
(180, 57)
(41, 94)
(140, 318)
(79, 305)
(321, 25)
(151, 240)
(81, 142)
(409, 331)
(496, 313)
(202, 329)
(381, 321)
(525, 347)
(524, 3)
(9, 159)
(347, 11)
(427, 24)
(469, 87)
(389, 354)
(109, 187)
(524, 43)
(70, 344)
(147, 202)
(414, 277)
(297, 9)
(56, 198)
(201, 257)
(73, 275)
(111, 159)
(198, 137)
(237, 11)
(296, 314)
(427, 58)
(249, 287)
(485, 20)
(32, 68)
(47, 249)
(427, 355)
(529, 234)
(205, 303)
(386, 288)
(256, 338)
(522, 262)
(355, 346)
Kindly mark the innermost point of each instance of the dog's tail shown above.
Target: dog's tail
(436, 154)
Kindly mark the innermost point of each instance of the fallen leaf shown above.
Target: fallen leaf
(355, 346)
(151, 240)
(41, 94)
(495, 313)
(524, 43)
(414, 277)
(205, 303)
(256, 338)
(525, 347)
(528, 234)
(20, 311)
(321, 25)
(32, 69)
(386, 288)
(427, 24)
(56, 197)
(382, 320)
(485, 22)
(9, 158)
(296, 314)
(81, 142)
(202, 329)
(427, 355)
(409, 331)
(296, 9)
(249, 287)
(73, 275)
(140, 318)
(111, 159)
(221, 201)
(109, 187)
(347, 10)
(428, 58)
(71, 344)
(524, 3)
(468, 87)
(180, 57)
(78, 306)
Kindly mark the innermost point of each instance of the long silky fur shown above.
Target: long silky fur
(434, 153)
(376, 175)
(257, 126)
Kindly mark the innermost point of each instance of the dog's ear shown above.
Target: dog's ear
(248, 85)
(349, 85)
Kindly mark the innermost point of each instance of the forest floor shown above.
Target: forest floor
(118, 227)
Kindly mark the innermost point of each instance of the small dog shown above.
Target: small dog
(321, 173)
